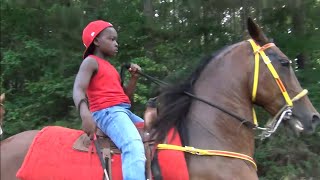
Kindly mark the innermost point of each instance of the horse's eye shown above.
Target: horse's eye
(285, 62)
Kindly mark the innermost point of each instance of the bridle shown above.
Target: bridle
(286, 111)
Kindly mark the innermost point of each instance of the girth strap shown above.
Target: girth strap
(204, 152)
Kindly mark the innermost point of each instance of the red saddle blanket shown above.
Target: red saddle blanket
(52, 157)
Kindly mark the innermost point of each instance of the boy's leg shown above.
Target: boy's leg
(116, 123)
(134, 118)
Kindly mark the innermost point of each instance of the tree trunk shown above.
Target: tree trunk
(244, 17)
(148, 14)
(298, 17)
(301, 58)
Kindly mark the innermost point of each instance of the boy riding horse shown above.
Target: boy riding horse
(109, 102)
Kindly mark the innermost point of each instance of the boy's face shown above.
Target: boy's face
(106, 41)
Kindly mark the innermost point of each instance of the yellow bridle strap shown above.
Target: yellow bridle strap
(256, 69)
(275, 75)
(203, 152)
(300, 95)
(255, 77)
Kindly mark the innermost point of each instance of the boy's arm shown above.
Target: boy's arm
(131, 87)
(87, 68)
(129, 90)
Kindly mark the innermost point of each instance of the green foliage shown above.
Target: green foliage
(41, 50)
(288, 157)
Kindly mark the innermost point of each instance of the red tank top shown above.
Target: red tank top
(105, 88)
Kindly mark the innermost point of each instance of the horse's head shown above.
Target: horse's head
(273, 93)
(2, 97)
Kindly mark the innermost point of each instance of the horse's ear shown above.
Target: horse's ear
(256, 33)
(2, 97)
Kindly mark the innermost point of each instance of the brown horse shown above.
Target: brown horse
(226, 80)
(13, 149)
(224, 90)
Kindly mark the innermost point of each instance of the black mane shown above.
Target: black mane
(174, 104)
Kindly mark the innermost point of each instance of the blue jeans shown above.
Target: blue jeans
(118, 123)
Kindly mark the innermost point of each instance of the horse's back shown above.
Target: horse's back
(13, 150)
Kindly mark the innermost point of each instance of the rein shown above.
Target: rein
(247, 123)
(193, 150)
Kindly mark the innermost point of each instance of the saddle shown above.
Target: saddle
(108, 148)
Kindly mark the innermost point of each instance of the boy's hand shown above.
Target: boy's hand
(89, 126)
(134, 69)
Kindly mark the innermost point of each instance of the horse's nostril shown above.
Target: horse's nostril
(316, 119)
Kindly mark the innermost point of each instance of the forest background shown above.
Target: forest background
(41, 50)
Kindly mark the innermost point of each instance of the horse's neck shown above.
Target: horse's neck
(226, 84)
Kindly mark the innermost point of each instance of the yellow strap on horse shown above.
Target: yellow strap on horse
(277, 78)
(204, 152)
(255, 78)
(256, 69)
(300, 95)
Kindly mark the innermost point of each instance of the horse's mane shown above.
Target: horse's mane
(173, 103)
